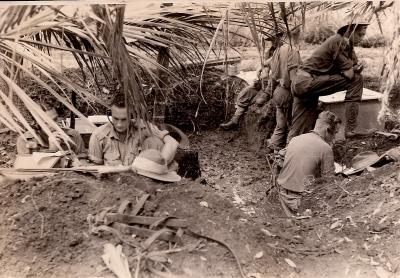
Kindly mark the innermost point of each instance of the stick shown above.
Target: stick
(190, 232)
(143, 220)
(142, 232)
(140, 204)
(40, 214)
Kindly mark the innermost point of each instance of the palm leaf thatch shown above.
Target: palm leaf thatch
(391, 73)
(101, 36)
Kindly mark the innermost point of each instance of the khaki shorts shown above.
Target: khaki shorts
(290, 200)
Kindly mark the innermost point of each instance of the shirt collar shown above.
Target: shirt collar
(131, 130)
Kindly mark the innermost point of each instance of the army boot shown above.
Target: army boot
(351, 131)
(234, 121)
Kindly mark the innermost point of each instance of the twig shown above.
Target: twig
(40, 214)
(318, 235)
(273, 178)
(190, 232)
(138, 267)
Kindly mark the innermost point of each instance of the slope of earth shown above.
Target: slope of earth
(353, 231)
(44, 230)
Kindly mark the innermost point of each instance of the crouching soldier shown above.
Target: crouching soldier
(308, 156)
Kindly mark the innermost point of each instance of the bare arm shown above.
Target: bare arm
(327, 165)
(170, 144)
(170, 147)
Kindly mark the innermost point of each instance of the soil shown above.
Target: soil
(353, 229)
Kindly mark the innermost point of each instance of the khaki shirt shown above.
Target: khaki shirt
(334, 55)
(78, 148)
(105, 146)
(308, 156)
(285, 59)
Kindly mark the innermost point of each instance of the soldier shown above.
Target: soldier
(121, 140)
(27, 144)
(286, 61)
(308, 156)
(248, 95)
(332, 67)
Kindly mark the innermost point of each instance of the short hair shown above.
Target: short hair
(119, 101)
(329, 118)
(296, 31)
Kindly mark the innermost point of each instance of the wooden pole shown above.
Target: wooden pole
(162, 84)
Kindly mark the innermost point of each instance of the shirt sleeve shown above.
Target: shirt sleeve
(95, 152)
(327, 165)
(354, 56)
(338, 49)
(294, 60)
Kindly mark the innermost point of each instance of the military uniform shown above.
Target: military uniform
(106, 147)
(321, 75)
(302, 165)
(285, 59)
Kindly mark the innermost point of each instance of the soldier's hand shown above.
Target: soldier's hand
(157, 132)
(349, 74)
(359, 67)
(53, 145)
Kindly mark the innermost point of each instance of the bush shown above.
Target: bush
(373, 41)
(318, 34)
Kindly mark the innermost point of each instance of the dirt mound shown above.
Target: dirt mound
(7, 149)
(353, 229)
(45, 231)
(44, 220)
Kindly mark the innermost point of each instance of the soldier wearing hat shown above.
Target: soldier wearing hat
(333, 67)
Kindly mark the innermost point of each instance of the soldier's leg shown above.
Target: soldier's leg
(328, 84)
(304, 115)
(243, 101)
(282, 98)
(352, 105)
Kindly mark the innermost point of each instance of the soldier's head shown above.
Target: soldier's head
(327, 125)
(295, 34)
(119, 113)
(355, 31)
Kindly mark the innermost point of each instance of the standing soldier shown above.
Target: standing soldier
(284, 66)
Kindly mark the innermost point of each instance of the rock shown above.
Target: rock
(379, 227)
(203, 204)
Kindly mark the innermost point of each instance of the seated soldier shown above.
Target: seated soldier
(121, 140)
(331, 68)
(308, 156)
(27, 144)
(269, 73)
(244, 99)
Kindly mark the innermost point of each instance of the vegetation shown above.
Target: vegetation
(158, 47)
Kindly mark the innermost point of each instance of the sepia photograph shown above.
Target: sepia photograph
(191, 139)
